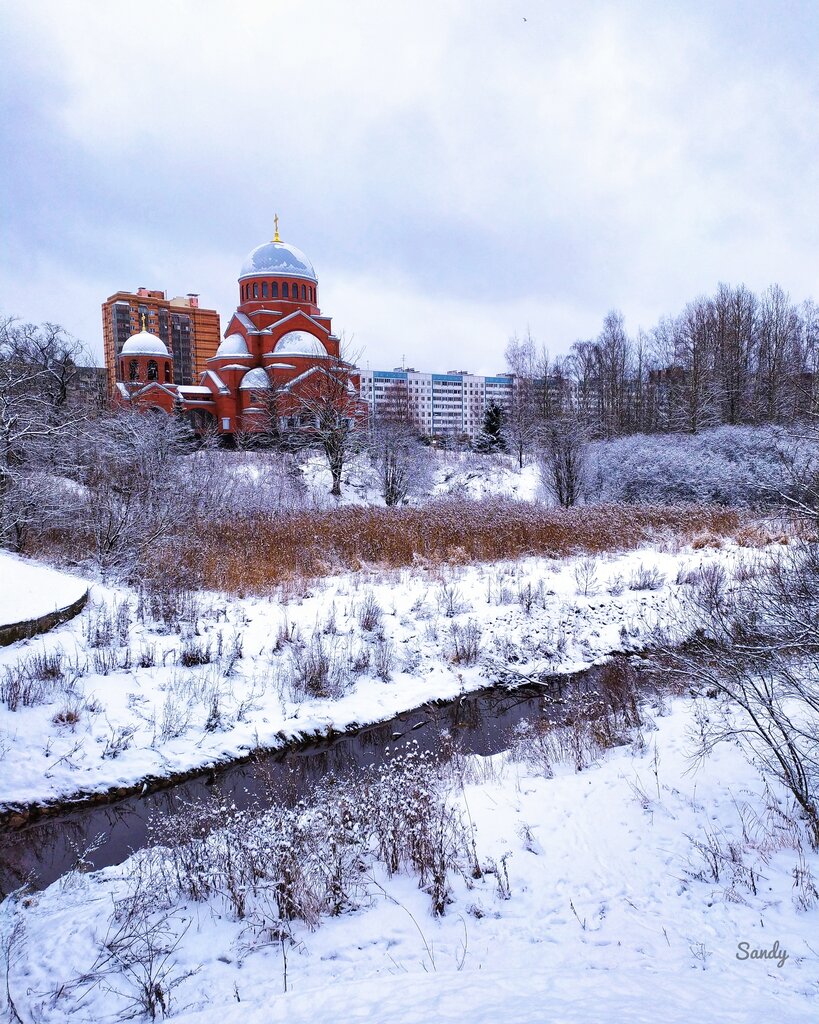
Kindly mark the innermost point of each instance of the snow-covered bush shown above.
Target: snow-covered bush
(735, 466)
(754, 647)
(40, 678)
(307, 861)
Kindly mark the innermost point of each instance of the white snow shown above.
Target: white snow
(450, 474)
(29, 589)
(543, 617)
(608, 919)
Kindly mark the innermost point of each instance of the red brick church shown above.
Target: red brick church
(278, 366)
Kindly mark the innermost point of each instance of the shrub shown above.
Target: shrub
(369, 614)
(37, 679)
(646, 578)
(466, 642)
(728, 465)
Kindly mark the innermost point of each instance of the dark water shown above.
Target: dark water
(481, 723)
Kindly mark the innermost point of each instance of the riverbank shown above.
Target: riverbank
(126, 701)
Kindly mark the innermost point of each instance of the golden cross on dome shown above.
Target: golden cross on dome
(276, 222)
(143, 321)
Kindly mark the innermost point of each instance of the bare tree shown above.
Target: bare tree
(39, 414)
(328, 412)
(563, 461)
(808, 372)
(777, 357)
(136, 486)
(755, 645)
(521, 421)
(401, 460)
(581, 365)
(694, 343)
(612, 358)
(735, 316)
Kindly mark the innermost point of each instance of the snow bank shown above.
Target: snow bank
(29, 590)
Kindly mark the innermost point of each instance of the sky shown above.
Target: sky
(457, 171)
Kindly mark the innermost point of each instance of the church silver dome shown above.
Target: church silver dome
(278, 258)
(144, 344)
(299, 343)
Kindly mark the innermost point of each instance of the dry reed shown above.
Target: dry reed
(252, 554)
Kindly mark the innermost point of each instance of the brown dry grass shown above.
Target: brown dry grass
(256, 553)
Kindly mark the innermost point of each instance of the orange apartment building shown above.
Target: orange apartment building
(191, 333)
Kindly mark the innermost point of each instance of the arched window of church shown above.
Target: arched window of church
(274, 290)
(167, 373)
(303, 292)
(285, 290)
(255, 290)
(133, 369)
(153, 370)
(295, 291)
(264, 289)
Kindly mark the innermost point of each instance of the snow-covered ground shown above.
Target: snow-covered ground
(459, 474)
(29, 589)
(611, 914)
(123, 699)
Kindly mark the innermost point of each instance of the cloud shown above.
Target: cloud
(454, 171)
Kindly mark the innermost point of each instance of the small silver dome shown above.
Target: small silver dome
(299, 343)
(278, 258)
(233, 345)
(144, 344)
(256, 379)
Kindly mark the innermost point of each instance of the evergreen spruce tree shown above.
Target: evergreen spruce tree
(491, 437)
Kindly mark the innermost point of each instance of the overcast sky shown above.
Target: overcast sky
(456, 171)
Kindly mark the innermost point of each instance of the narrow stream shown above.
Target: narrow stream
(480, 723)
